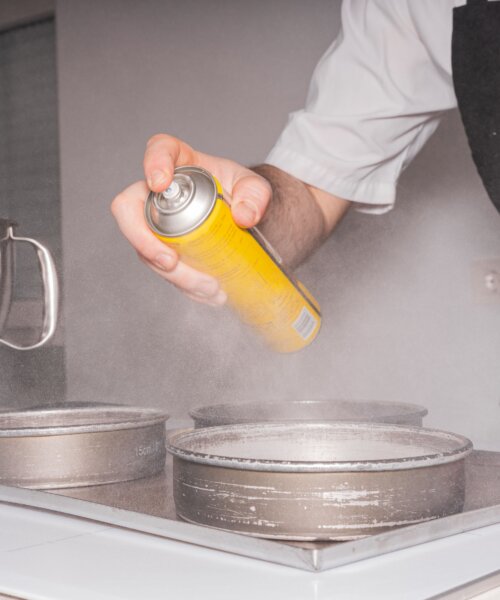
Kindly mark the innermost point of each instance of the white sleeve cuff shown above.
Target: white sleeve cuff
(370, 196)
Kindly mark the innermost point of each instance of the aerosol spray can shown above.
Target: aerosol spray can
(193, 217)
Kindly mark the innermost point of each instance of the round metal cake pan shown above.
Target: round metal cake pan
(317, 481)
(308, 410)
(69, 446)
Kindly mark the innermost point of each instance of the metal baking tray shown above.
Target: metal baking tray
(312, 481)
(147, 505)
(80, 445)
(366, 411)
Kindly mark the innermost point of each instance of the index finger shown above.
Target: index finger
(164, 153)
(128, 210)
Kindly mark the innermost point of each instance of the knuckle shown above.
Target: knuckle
(144, 246)
(157, 137)
(142, 258)
(256, 189)
(160, 139)
(262, 188)
(187, 283)
(118, 201)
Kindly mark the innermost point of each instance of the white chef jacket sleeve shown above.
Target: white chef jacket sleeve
(375, 98)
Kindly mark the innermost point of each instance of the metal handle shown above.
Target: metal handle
(50, 292)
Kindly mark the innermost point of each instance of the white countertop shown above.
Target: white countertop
(47, 556)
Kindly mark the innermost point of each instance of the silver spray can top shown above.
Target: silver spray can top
(184, 205)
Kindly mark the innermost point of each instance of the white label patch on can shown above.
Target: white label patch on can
(305, 324)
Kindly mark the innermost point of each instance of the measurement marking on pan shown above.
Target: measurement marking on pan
(305, 324)
(153, 448)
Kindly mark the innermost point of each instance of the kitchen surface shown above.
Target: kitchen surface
(131, 504)
(112, 521)
(410, 308)
(72, 557)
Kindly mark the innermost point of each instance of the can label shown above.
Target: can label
(305, 324)
(257, 286)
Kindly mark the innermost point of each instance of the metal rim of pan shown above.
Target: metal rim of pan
(95, 420)
(209, 412)
(459, 448)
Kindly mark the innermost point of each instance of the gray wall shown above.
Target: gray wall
(19, 12)
(400, 322)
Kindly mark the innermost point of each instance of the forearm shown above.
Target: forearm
(299, 217)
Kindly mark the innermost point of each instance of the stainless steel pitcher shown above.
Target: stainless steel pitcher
(49, 279)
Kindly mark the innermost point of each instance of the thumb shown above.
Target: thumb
(250, 197)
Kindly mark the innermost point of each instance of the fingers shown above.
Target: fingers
(250, 197)
(163, 154)
(128, 210)
(250, 192)
(195, 285)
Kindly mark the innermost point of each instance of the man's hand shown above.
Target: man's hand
(249, 196)
(299, 218)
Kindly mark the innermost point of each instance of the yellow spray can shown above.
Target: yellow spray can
(193, 217)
